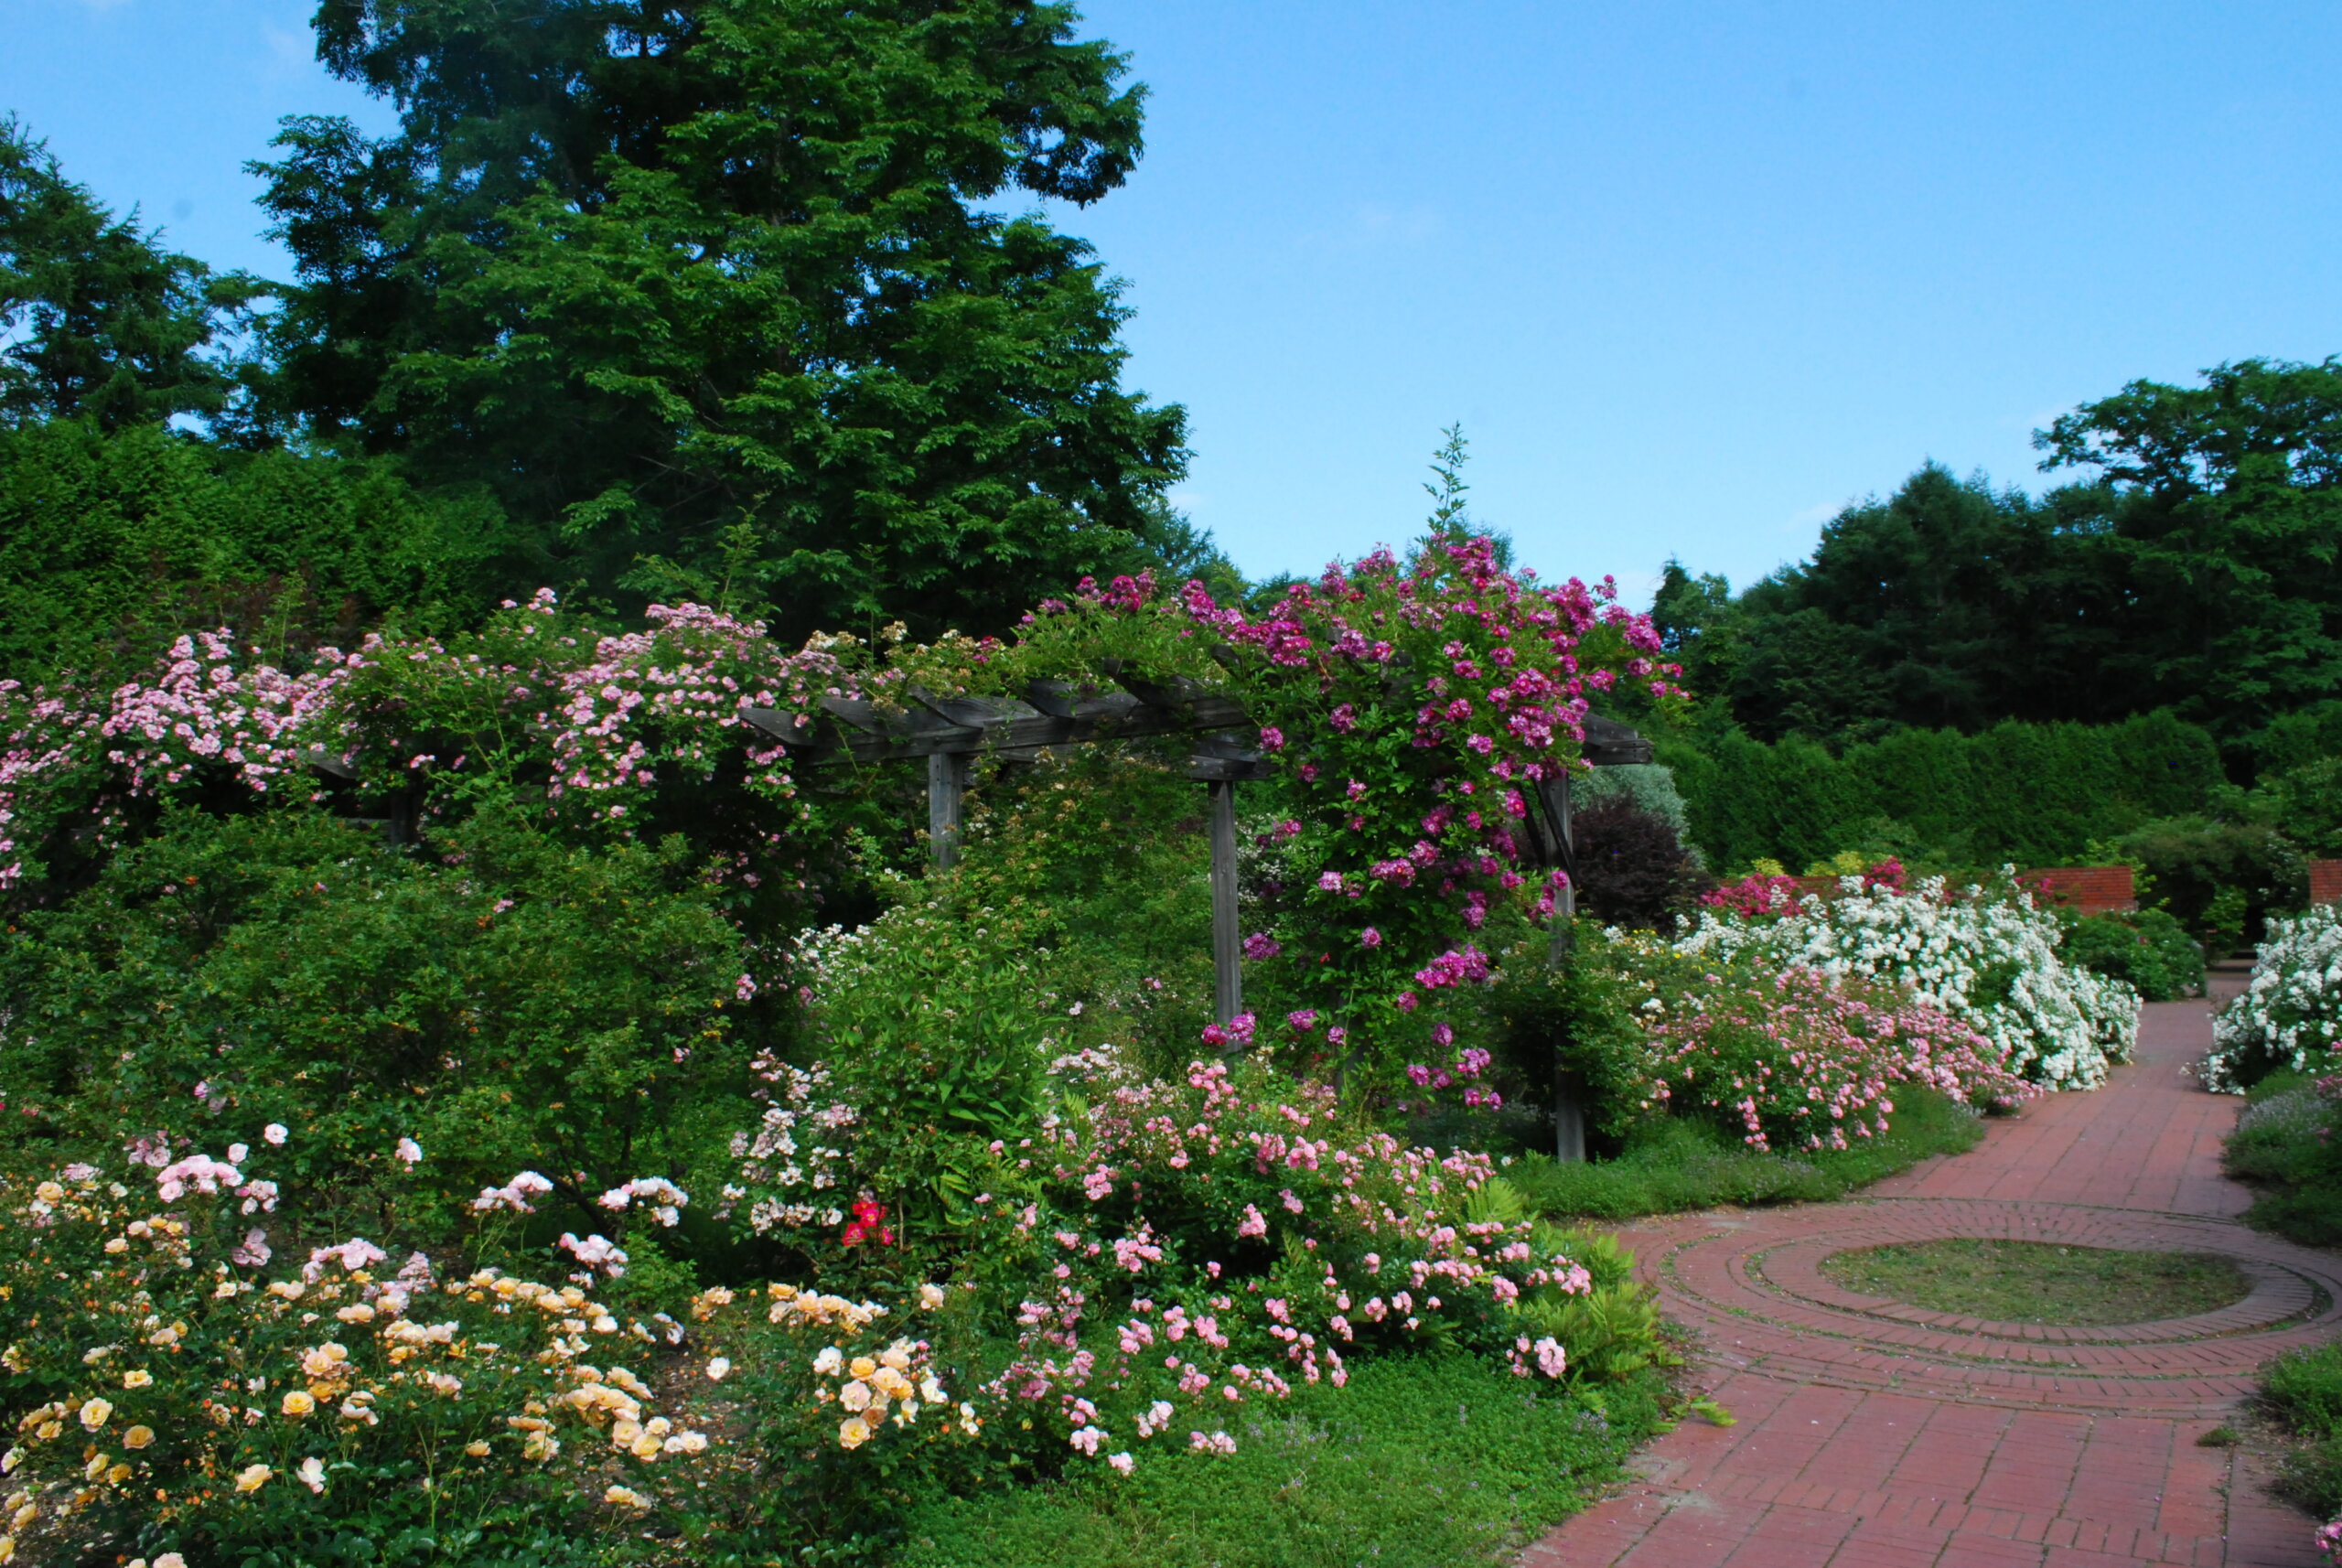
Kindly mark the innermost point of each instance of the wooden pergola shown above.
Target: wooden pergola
(950, 732)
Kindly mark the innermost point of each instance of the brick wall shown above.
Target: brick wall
(2089, 889)
(2326, 881)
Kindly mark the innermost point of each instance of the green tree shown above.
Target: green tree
(1947, 605)
(97, 321)
(2223, 509)
(714, 285)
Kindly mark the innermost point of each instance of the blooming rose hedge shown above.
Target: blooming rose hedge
(1411, 708)
(1986, 956)
(2290, 1013)
(1185, 1250)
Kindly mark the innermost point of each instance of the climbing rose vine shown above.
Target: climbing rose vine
(1412, 708)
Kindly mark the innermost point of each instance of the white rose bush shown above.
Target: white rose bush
(2290, 1013)
(1985, 955)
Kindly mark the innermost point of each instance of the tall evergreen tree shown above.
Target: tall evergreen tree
(722, 280)
(97, 319)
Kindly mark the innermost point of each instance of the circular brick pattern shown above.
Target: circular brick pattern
(1751, 1286)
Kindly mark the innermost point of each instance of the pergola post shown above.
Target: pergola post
(947, 789)
(1227, 941)
(1569, 1099)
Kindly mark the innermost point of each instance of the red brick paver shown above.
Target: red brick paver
(1872, 1435)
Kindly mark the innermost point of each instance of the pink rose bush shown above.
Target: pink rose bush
(1798, 1063)
(1780, 1058)
(618, 731)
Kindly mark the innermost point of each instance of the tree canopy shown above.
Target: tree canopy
(718, 288)
(2222, 520)
(97, 319)
(2192, 567)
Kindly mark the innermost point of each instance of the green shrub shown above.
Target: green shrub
(507, 1003)
(1096, 867)
(2307, 805)
(1421, 1462)
(2284, 1146)
(1650, 786)
(108, 543)
(2222, 880)
(2150, 950)
(939, 1033)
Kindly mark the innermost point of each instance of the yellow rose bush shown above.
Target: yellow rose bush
(171, 1391)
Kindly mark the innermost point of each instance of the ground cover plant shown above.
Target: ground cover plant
(2042, 1282)
(2303, 1391)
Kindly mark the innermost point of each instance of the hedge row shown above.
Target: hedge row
(2034, 794)
(110, 544)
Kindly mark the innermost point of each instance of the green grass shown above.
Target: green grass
(2282, 1147)
(2040, 1281)
(2304, 1391)
(1421, 1462)
(1677, 1164)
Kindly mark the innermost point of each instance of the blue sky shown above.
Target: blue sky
(1691, 276)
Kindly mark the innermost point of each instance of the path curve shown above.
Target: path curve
(1877, 1435)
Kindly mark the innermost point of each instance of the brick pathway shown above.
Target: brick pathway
(1874, 1435)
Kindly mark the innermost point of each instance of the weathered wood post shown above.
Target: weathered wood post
(947, 791)
(1568, 1093)
(1609, 744)
(1226, 941)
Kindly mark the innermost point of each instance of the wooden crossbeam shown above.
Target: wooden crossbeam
(976, 725)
